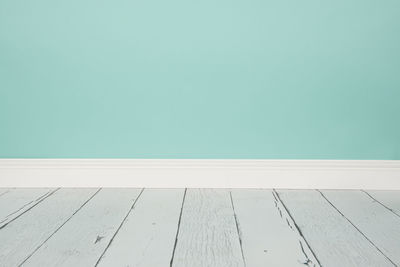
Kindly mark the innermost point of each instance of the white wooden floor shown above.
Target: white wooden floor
(198, 227)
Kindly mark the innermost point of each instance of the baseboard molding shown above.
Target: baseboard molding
(208, 173)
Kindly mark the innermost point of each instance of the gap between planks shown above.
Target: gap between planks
(238, 201)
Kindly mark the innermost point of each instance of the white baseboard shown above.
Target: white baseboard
(208, 173)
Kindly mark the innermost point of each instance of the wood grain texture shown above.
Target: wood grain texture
(147, 237)
(19, 200)
(389, 199)
(268, 234)
(25, 234)
(82, 240)
(166, 227)
(377, 223)
(207, 234)
(334, 240)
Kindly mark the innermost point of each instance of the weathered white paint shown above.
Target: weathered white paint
(376, 222)
(63, 229)
(24, 235)
(18, 201)
(147, 237)
(207, 233)
(83, 239)
(388, 198)
(268, 234)
(201, 173)
(333, 239)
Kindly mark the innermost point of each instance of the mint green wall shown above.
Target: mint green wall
(200, 79)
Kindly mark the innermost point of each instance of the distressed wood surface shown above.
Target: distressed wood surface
(147, 237)
(17, 201)
(389, 199)
(84, 238)
(268, 234)
(207, 232)
(377, 223)
(334, 240)
(202, 227)
(21, 237)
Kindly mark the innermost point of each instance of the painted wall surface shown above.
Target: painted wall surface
(200, 79)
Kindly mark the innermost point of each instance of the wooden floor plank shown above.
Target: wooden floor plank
(377, 223)
(388, 198)
(23, 236)
(19, 200)
(147, 237)
(268, 234)
(82, 240)
(207, 232)
(75, 227)
(334, 240)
